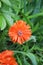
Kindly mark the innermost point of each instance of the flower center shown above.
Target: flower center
(19, 33)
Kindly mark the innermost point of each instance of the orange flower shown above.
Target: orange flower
(20, 32)
(7, 59)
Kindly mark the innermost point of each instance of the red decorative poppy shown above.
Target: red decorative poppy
(7, 59)
(20, 32)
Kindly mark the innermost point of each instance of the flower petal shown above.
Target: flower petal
(19, 40)
(7, 53)
(15, 37)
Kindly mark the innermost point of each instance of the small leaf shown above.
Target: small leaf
(2, 22)
(33, 38)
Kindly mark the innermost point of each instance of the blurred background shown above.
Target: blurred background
(30, 11)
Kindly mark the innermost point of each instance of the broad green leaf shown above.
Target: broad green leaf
(8, 19)
(7, 2)
(30, 56)
(2, 22)
(14, 16)
(0, 4)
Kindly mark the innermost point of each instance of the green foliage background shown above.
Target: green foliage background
(31, 11)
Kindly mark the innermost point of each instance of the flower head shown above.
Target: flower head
(20, 32)
(6, 58)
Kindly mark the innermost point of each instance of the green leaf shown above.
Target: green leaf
(7, 2)
(35, 28)
(27, 20)
(19, 60)
(25, 61)
(0, 4)
(36, 15)
(30, 56)
(2, 22)
(37, 7)
(8, 19)
(33, 38)
(25, 6)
